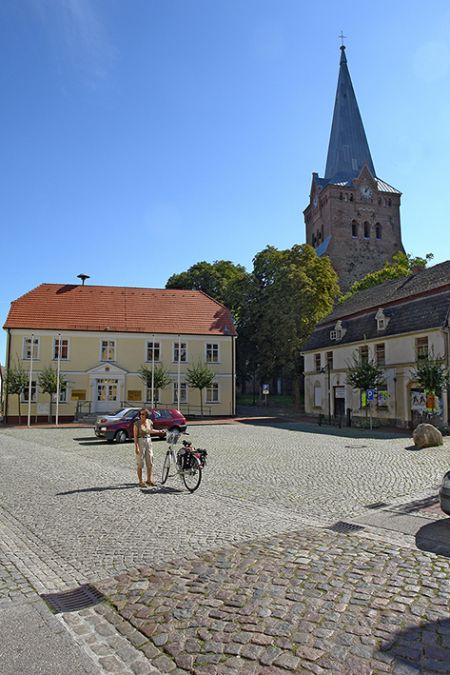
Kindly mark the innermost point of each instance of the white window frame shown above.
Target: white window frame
(26, 352)
(156, 395)
(149, 349)
(183, 392)
(55, 348)
(212, 349)
(34, 392)
(184, 352)
(110, 342)
(213, 393)
(63, 394)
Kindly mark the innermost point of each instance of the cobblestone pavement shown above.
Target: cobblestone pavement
(71, 514)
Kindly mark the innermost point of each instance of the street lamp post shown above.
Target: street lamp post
(327, 371)
(179, 374)
(30, 375)
(153, 371)
(58, 385)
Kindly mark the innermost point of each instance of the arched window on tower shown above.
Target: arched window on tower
(378, 231)
(366, 230)
(354, 229)
(351, 196)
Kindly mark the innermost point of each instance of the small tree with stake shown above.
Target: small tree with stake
(160, 377)
(199, 377)
(364, 374)
(16, 383)
(431, 375)
(48, 383)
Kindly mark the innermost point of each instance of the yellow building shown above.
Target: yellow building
(99, 337)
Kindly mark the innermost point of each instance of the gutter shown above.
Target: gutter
(8, 363)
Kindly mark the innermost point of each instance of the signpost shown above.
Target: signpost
(370, 393)
(265, 392)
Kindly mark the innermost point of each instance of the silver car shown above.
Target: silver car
(114, 417)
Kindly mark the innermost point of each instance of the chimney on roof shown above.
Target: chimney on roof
(417, 268)
(83, 278)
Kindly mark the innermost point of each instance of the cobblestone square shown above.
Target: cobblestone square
(245, 575)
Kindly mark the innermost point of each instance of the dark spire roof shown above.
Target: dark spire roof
(348, 149)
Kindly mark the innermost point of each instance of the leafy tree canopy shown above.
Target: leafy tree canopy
(402, 265)
(160, 376)
(294, 290)
(430, 373)
(220, 280)
(362, 374)
(16, 379)
(199, 376)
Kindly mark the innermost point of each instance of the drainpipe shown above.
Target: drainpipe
(233, 375)
(8, 365)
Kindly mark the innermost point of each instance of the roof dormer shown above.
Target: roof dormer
(382, 320)
(338, 332)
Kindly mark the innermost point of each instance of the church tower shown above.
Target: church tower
(353, 216)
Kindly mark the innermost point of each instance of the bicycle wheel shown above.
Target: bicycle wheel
(192, 477)
(166, 468)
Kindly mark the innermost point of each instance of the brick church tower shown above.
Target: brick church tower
(353, 216)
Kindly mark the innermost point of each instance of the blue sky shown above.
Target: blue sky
(141, 136)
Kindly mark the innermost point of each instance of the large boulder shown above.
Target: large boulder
(426, 436)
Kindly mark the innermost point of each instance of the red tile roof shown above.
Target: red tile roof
(119, 309)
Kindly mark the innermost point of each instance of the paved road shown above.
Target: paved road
(71, 514)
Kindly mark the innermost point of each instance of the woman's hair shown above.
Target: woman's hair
(143, 410)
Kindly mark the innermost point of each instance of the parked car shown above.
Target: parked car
(444, 494)
(102, 419)
(121, 430)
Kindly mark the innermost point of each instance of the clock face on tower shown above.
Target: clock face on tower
(365, 192)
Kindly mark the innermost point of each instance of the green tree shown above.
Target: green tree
(15, 383)
(160, 377)
(362, 374)
(220, 280)
(199, 377)
(402, 265)
(295, 290)
(48, 383)
(431, 374)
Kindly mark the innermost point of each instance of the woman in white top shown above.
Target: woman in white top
(143, 428)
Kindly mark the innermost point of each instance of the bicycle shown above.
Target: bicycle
(187, 461)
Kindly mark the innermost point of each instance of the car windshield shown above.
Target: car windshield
(121, 411)
(130, 415)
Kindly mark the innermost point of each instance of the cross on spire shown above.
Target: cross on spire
(342, 38)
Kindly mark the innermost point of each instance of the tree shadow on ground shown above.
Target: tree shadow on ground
(312, 428)
(424, 648)
(435, 538)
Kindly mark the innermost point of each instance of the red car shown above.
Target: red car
(121, 430)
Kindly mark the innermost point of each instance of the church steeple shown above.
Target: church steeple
(353, 216)
(348, 149)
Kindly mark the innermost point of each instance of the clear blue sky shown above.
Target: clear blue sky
(142, 136)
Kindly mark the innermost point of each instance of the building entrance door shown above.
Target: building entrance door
(339, 401)
(107, 395)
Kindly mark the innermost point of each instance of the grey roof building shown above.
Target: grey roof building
(393, 324)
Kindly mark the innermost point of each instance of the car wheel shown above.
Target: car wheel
(177, 429)
(121, 436)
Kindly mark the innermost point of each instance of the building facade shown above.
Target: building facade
(99, 338)
(394, 325)
(352, 216)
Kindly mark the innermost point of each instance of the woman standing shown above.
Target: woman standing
(143, 428)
